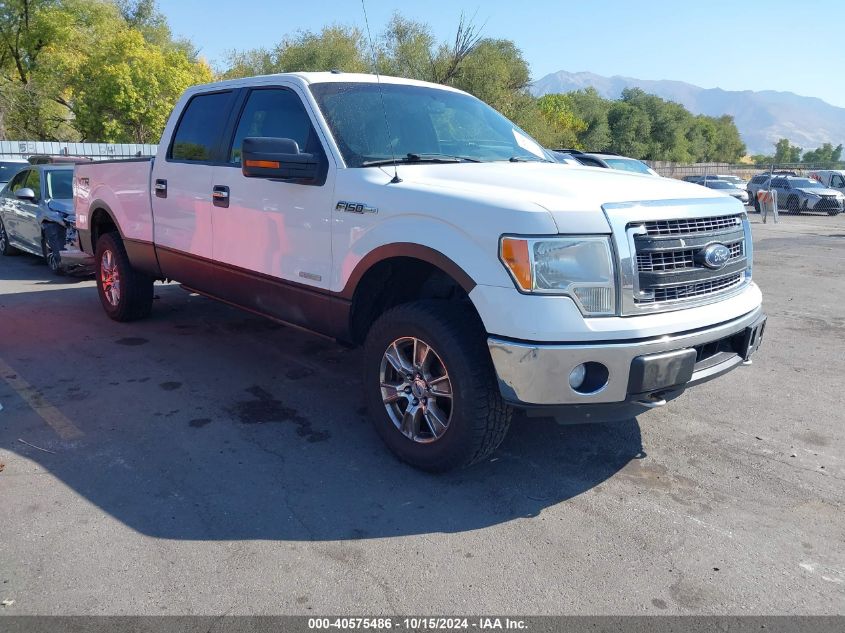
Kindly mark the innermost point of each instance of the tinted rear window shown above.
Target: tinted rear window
(200, 127)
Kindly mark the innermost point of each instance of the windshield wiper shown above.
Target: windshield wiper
(420, 158)
(526, 159)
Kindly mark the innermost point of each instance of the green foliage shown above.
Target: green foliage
(786, 152)
(90, 70)
(826, 154)
(126, 90)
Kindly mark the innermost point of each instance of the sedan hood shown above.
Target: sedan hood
(61, 206)
(573, 195)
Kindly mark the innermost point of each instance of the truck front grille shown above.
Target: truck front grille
(693, 226)
(670, 263)
(683, 258)
(690, 291)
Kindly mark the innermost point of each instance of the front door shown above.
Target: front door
(272, 239)
(28, 227)
(10, 206)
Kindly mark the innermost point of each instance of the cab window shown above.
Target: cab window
(273, 113)
(199, 130)
(837, 181)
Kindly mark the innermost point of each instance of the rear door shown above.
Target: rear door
(181, 196)
(272, 238)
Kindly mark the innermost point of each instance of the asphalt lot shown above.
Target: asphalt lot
(206, 462)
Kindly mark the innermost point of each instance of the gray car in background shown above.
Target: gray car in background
(36, 216)
(728, 188)
(797, 194)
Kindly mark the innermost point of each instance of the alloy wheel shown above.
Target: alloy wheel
(110, 278)
(416, 389)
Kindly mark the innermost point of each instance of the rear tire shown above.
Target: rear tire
(126, 294)
(5, 247)
(756, 204)
(453, 358)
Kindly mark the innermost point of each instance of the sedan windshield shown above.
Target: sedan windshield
(805, 183)
(60, 184)
(374, 124)
(628, 164)
(718, 184)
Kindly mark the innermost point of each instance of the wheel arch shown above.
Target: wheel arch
(400, 273)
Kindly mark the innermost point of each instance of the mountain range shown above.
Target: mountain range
(762, 117)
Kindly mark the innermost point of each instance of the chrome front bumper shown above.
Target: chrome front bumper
(532, 375)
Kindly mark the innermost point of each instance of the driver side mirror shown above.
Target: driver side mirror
(277, 159)
(25, 193)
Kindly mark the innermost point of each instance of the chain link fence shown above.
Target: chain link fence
(741, 170)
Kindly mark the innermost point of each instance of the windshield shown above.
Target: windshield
(732, 179)
(805, 183)
(421, 121)
(60, 184)
(628, 164)
(719, 184)
(8, 169)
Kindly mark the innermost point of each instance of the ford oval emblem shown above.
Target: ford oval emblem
(716, 256)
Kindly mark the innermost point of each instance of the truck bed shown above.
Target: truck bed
(119, 187)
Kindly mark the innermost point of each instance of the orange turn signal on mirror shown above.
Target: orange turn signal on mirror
(267, 164)
(515, 256)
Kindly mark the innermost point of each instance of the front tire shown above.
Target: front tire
(53, 259)
(5, 247)
(431, 388)
(793, 206)
(126, 294)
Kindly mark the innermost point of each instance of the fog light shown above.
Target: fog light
(577, 375)
(589, 378)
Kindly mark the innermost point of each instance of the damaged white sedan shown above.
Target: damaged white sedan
(36, 216)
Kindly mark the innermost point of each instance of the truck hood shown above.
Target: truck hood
(570, 194)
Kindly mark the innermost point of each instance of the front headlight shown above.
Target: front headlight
(580, 267)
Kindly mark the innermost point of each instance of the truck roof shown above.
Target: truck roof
(308, 78)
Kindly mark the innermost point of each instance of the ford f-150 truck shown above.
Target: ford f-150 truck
(413, 219)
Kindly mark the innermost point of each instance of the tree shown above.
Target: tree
(564, 124)
(90, 69)
(630, 130)
(785, 152)
(125, 92)
(333, 48)
(824, 155)
(592, 109)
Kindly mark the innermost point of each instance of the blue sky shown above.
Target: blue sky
(710, 43)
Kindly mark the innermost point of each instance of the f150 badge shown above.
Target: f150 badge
(355, 207)
(716, 256)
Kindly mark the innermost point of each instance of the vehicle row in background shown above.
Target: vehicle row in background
(735, 181)
(36, 216)
(606, 160)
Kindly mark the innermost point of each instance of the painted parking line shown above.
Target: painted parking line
(57, 420)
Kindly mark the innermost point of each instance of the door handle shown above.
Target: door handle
(220, 196)
(161, 188)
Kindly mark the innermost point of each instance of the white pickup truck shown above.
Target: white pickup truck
(411, 218)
